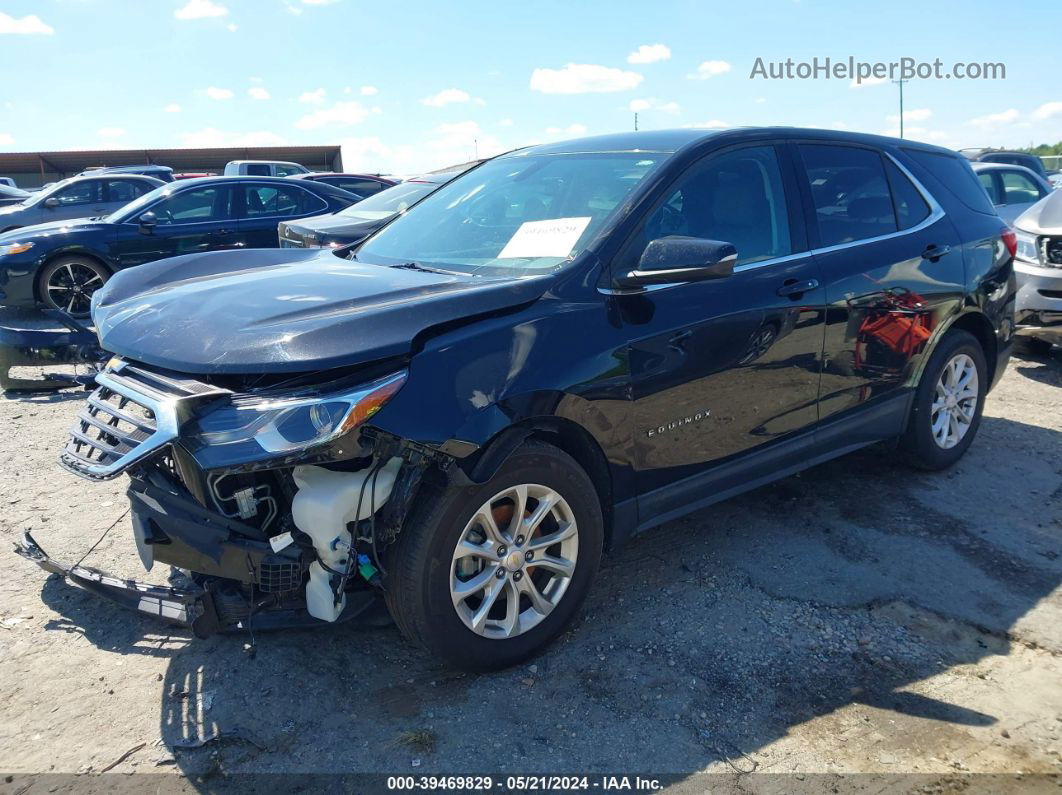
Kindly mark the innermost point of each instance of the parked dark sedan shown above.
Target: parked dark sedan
(363, 185)
(60, 265)
(9, 195)
(358, 222)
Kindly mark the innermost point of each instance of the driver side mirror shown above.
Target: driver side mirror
(148, 222)
(669, 260)
(51, 202)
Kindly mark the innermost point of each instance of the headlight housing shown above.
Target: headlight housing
(14, 248)
(247, 427)
(1028, 247)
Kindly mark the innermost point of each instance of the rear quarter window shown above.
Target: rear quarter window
(958, 177)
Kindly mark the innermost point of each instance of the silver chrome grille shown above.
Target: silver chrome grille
(133, 413)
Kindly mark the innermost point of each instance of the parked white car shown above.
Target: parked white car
(1012, 189)
(263, 168)
(1038, 265)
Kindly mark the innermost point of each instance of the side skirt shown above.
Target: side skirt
(838, 436)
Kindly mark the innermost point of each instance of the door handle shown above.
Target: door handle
(934, 252)
(794, 288)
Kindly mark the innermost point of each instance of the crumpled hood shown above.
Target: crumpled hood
(1044, 217)
(284, 310)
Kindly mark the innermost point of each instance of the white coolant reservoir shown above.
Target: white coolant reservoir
(325, 502)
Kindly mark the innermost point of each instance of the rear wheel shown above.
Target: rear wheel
(487, 576)
(68, 283)
(948, 403)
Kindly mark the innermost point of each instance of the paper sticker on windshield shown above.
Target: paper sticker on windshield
(553, 238)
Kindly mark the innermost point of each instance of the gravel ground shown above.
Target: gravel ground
(857, 618)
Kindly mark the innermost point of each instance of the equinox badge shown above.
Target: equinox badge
(700, 415)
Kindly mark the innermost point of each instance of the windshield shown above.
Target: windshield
(127, 211)
(517, 215)
(396, 199)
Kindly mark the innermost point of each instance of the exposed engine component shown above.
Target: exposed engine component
(323, 506)
(247, 499)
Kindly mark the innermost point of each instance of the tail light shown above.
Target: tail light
(1010, 240)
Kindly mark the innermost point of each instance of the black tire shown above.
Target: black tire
(1032, 346)
(918, 443)
(67, 283)
(418, 583)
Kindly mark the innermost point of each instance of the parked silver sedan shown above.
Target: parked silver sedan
(1038, 265)
(1012, 189)
(77, 197)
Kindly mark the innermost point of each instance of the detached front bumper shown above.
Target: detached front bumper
(185, 608)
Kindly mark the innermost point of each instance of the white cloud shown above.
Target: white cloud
(173, 107)
(459, 142)
(711, 124)
(447, 96)
(915, 114)
(313, 97)
(110, 132)
(583, 78)
(640, 105)
(867, 81)
(571, 129)
(219, 93)
(7, 139)
(341, 114)
(257, 92)
(369, 91)
(995, 119)
(505, 123)
(650, 53)
(1047, 110)
(760, 100)
(200, 9)
(918, 134)
(231, 28)
(28, 25)
(710, 69)
(211, 137)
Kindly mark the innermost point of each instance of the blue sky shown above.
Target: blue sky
(413, 85)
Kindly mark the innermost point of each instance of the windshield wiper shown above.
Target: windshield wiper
(415, 266)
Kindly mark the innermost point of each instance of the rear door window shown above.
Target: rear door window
(850, 192)
(262, 201)
(1019, 188)
(911, 207)
(125, 190)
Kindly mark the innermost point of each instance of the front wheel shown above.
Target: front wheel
(948, 403)
(68, 283)
(487, 576)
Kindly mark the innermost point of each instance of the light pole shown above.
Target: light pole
(900, 84)
(636, 121)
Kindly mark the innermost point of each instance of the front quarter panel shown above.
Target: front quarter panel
(553, 359)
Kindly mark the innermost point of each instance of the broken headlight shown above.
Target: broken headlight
(280, 425)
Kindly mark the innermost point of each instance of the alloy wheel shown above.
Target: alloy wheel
(514, 561)
(954, 402)
(70, 287)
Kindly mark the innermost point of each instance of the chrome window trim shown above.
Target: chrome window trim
(936, 213)
(323, 210)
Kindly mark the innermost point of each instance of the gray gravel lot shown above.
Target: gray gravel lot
(859, 617)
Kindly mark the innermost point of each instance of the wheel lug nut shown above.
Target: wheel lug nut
(502, 550)
(528, 555)
(518, 576)
(519, 540)
(500, 573)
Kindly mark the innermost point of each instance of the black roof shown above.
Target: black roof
(675, 140)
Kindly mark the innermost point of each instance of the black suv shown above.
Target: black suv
(562, 347)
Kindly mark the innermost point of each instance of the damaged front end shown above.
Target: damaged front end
(275, 501)
(41, 351)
